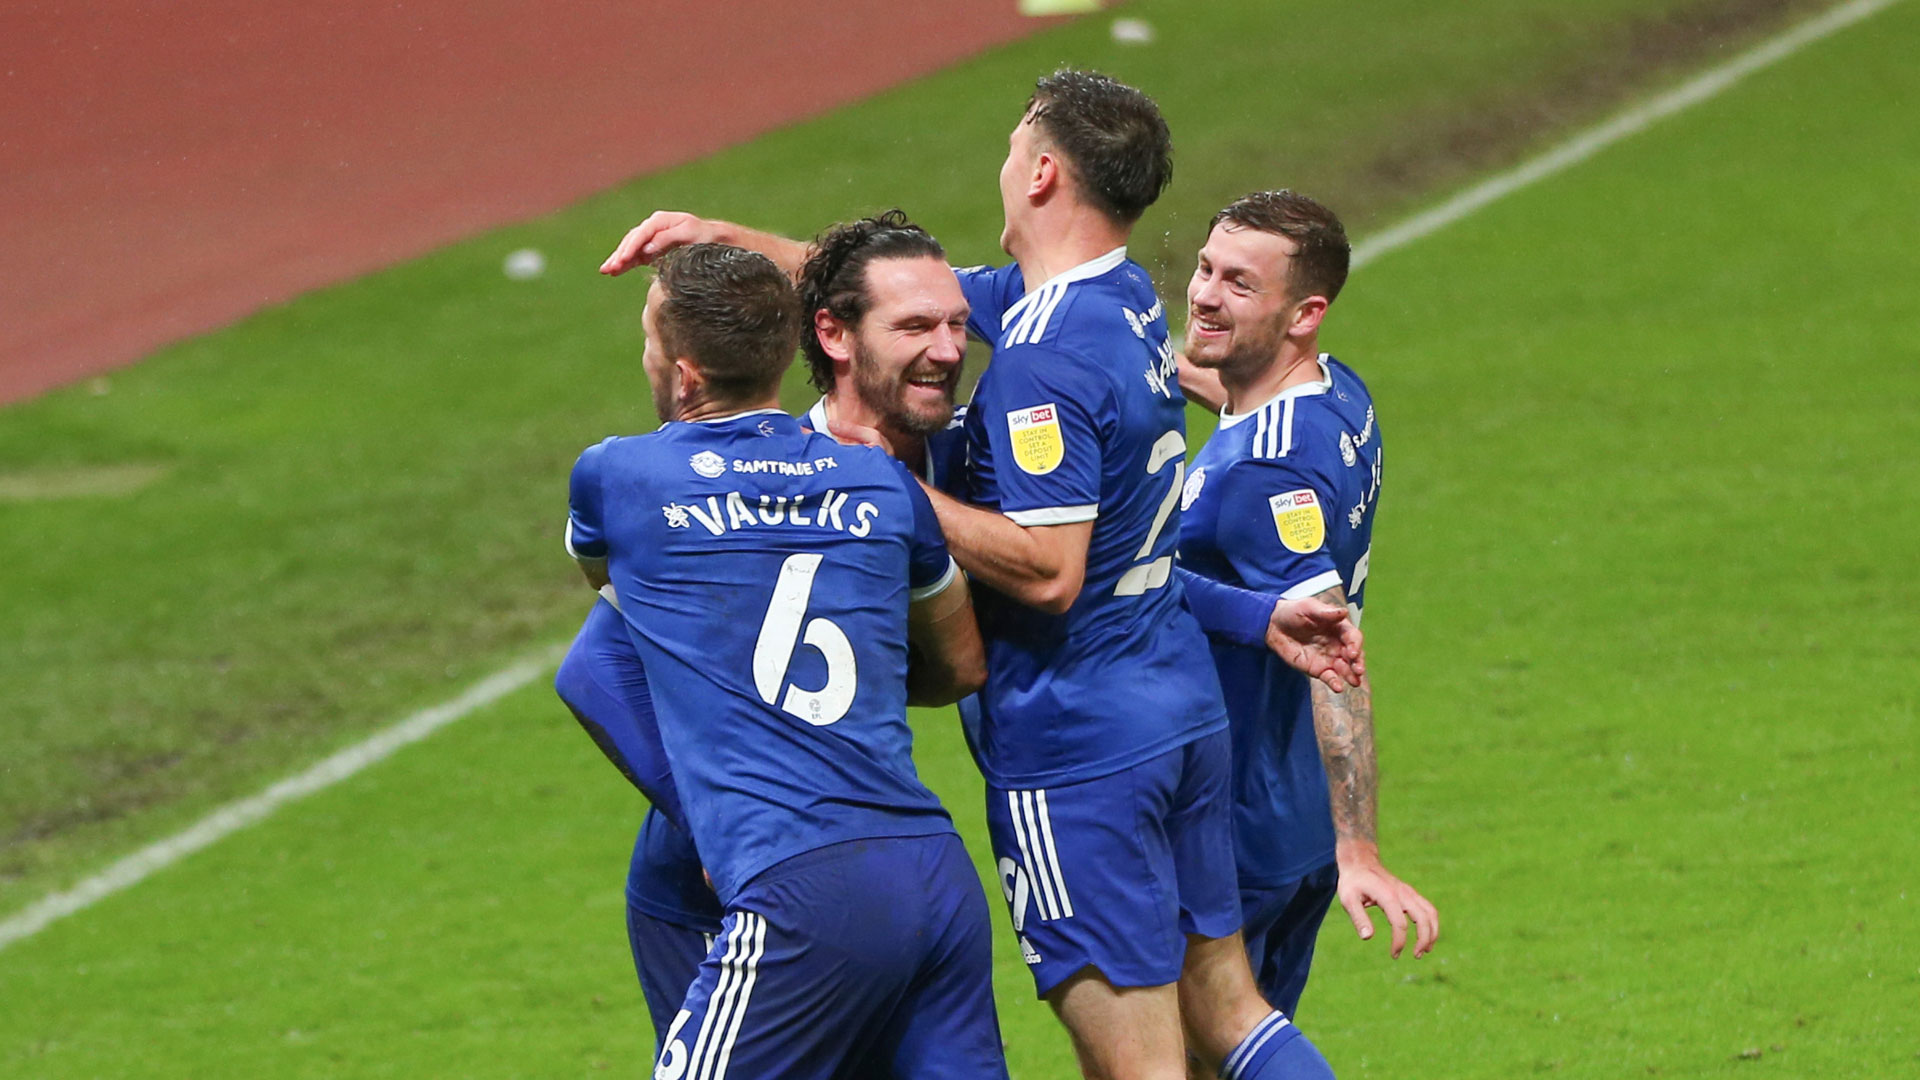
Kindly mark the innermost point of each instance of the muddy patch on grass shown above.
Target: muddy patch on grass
(1436, 152)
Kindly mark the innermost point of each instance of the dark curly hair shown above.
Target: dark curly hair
(834, 278)
(1113, 138)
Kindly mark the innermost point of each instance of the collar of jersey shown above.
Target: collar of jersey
(1092, 268)
(1228, 419)
(817, 416)
(735, 416)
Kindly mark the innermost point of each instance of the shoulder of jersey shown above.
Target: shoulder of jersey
(1099, 294)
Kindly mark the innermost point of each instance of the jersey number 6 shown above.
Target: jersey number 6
(773, 652)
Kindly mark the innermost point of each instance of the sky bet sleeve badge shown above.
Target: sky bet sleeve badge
(1035, 433)
(1296, 514)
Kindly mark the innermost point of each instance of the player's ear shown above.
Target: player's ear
(834, 335)
(1307, 315)
(689, 382)
(1045, 178)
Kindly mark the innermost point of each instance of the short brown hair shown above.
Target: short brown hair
(834, 278)
(1113, 138)
(1319, 268)
(732, 313)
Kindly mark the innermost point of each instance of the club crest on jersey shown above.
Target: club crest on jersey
(1296, 517)
(1192, 491)
(708, 464)
(1035, 434)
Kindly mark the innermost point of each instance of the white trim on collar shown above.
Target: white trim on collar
(1325, 383)
(738, 415)
(1092, 268)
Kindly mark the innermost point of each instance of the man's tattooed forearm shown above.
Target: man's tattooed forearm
(1344, 725)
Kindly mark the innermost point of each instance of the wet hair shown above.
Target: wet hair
(834, 278)
(1115, 142)
(1319, 268)
(733, 313)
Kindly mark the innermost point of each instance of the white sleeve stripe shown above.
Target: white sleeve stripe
(1313, 586)
(938, 587)
(1055, 515)
(1286, 431)
(577, 557)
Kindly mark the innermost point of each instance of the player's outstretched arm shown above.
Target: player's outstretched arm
(948, 660)
(1343, 724)
(664, 230)
(1042, 566)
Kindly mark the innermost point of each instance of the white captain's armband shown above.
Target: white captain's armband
(1297, 518)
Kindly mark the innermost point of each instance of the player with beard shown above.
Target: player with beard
(1105, 749)
(785, 729)
(1282, 499)
(886, 348)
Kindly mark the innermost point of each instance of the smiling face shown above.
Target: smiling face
(1239, 305)
(908, 350)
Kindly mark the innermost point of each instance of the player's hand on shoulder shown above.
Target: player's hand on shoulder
(1365, 883)
(1319, 640)
(663, 231)
(858, 435)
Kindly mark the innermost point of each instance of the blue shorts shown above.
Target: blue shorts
(1282, 923)
(865, 958)
(1115, 872)
(666, 956)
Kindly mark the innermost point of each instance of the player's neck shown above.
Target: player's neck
(1294, 365)
(1056, 243)
(702, 407)
(847, 408)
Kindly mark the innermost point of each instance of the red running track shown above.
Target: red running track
(166, 168)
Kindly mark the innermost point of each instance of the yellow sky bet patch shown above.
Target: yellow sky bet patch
(1035, 433)
(1296, 516)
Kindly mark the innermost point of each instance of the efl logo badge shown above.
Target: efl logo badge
(1296, 516)
(1035, 432)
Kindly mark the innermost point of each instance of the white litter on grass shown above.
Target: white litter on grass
(524, 265)
(1133, 31)
(157, 856)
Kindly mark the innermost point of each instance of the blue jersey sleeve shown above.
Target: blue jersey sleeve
(586, 523)
(930, 569)
(1273, 527)
(1043, 413)
(989, 290)
(1239, 616)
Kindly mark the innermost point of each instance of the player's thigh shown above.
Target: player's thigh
(1200, 836)
(1088, 875)
(1121, 1032)
(666, 957)
(945, 1027)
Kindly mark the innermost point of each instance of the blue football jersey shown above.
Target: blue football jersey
(1281, 499)
(765, 573)
(1079, 418)
(946, 449)
(603, 683)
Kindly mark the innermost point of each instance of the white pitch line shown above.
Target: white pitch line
(1631, 122)
(234, 816)
(140, 865)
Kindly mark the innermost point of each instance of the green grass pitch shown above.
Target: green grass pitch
(1642, 620)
